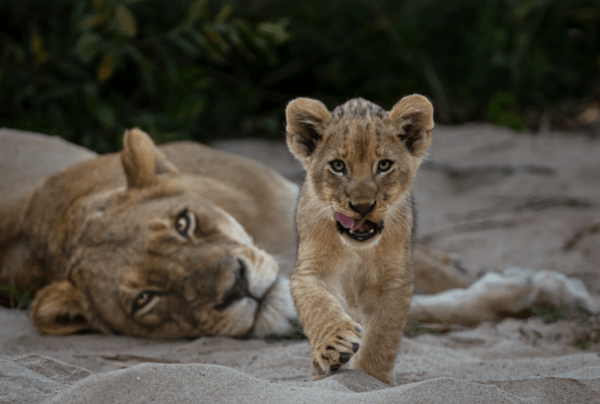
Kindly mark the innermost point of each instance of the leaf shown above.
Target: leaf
(87, 46)
(37, 46)
(106, 68)
(198, 38)
(224, 14)
(276, 31)
(198, 10)
(184, 45)
(37, 43)
(126, 21)
(216, 38)
(92, 21)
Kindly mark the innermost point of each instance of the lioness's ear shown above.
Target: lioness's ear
(142, 160)
(306, 121)
(413, 116)
(57, 309)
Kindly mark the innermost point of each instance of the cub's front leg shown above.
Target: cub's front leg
(334, 337)
(385, 308)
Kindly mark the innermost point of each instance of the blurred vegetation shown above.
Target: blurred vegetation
(86, 70)
(208, 69)
(15, 299)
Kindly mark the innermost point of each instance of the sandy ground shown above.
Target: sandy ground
(493, 197)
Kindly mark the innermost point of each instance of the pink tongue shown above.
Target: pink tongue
(346, 221)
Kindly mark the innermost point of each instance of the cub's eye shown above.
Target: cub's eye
(338, 166)
(143, 299)
(184, 223)
(384, 166)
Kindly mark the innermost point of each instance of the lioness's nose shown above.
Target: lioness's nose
(238, 290)
(362, 208)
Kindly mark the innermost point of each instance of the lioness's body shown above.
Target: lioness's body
(361, 162)
(38, 227)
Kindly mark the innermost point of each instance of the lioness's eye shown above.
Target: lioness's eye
(183, 223)
(384, 165)
(142, 300)
(338, 166)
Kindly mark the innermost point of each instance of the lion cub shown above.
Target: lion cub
(360, 161)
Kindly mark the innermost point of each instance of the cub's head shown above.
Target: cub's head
(360, 160)
(157, 257)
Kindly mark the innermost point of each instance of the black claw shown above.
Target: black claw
(339, 337)
(345, 357)
(355, 346)
(333, 368)
(329, 347)
(357, 329)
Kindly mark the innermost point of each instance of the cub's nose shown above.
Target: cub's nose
(238, 290)
(362, 208)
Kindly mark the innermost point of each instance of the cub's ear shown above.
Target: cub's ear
(142, 160)
(57, 309)
(413, 116)
(306, 121)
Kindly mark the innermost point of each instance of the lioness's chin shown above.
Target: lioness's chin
(275, 314)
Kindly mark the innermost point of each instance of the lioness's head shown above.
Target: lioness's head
(157, 258)
(360, 159)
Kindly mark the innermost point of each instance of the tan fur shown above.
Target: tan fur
(353, 297)
(435, 272)
(102, 234)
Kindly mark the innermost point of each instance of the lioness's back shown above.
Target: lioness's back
(27, 158)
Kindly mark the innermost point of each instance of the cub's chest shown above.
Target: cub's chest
(352, 274)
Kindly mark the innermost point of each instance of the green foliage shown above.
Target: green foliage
(501, 111)
(86, 70)
(296, 334)
(549, 314)
(17, 299)
(206, 69)
(414, 329)
(506, 61)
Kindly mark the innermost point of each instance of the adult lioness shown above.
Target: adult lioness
(152, 242)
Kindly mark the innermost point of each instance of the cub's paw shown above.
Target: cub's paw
(343, 342)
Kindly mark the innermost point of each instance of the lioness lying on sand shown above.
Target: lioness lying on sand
(128, 243)
(176, 240)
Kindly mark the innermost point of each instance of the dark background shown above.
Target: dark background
(211, 69)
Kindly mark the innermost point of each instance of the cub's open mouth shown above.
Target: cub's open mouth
(366, 231)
